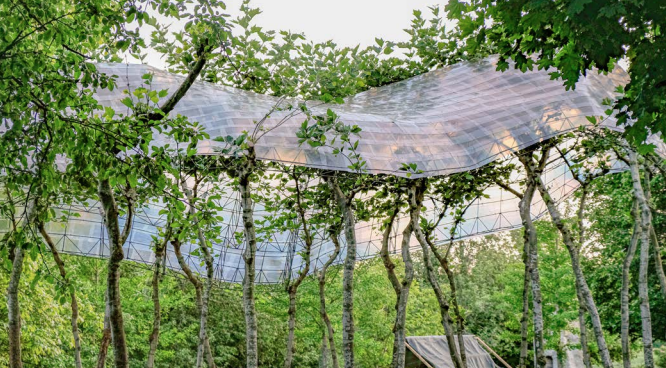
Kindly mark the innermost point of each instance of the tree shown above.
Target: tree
(242, 166)
(390, 198)
(582, 287)
(198, 290)
(294, 190)
(43, 61)
(67, 283)
(160, 251)
(530, 252)
(643, 225)
(574, 37)
(417, 193)
(584, 175)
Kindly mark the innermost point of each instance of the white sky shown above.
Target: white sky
(347, 22)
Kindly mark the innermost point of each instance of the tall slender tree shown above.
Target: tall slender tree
(417, 192)
(160, 252)
(390, 199)
(198, 293)
(74, 305)
(645, 223)
(582, 288)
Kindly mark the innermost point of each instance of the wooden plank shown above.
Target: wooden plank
(418, 355)
(493, 352)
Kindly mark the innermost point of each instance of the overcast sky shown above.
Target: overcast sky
(347, 22)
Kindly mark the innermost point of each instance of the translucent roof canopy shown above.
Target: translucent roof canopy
(450, 120)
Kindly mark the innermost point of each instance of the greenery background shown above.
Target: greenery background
(489, 271)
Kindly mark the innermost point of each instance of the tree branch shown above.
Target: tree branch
(171, 103)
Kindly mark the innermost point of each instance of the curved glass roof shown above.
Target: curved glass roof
(449, 120)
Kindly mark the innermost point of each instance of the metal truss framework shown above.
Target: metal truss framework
(450, 120)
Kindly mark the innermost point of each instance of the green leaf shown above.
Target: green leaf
(127, 101)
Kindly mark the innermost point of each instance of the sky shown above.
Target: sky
(347, 22)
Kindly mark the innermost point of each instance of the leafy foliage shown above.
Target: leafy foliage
(575, 36)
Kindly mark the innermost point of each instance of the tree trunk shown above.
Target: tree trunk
(401, 288)
(444, 262)
(658, 264)
(73, 303)
(323, 358)
(292, 289)
(460, 321)
(416, 200)
(153, 341)
(401, 304)
(581, 307)
(583, 335)
(582, 288)
(198, 291)
(16, 256)
(106, 334)
(116, 256)
(530, 239)
(524, 319)
(656, 249)
(646, 223)
(14, 312)
(248, 281)
(322, 299)
(443, 306)
(624, 292)
(291, 312)
(203, 322)
(192, 197)
(344, 204)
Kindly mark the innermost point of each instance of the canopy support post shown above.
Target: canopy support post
(418, 356)
(493, 352)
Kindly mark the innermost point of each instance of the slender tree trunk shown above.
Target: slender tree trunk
(16, 256)
(443, 306)
(460, 321)
(116, 256)
(322, 299)
(323, 359)
(416, 200)
(656, 249)
(248, 281)
(73, 303)
(581, 307)
(643, 295)
(537, 302)
(582, 288)
(291, 324)
(583, 335)
(344, 204)
(198, 291)
(192, 197)
(646, 223)
(153, 341)
(530, 239)
(403, 297)
(106, 334)
(14, 312)
(203, 322)
(658, 264)
(401, 288)
(525, 318)
(292, 289)
(624, 292)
